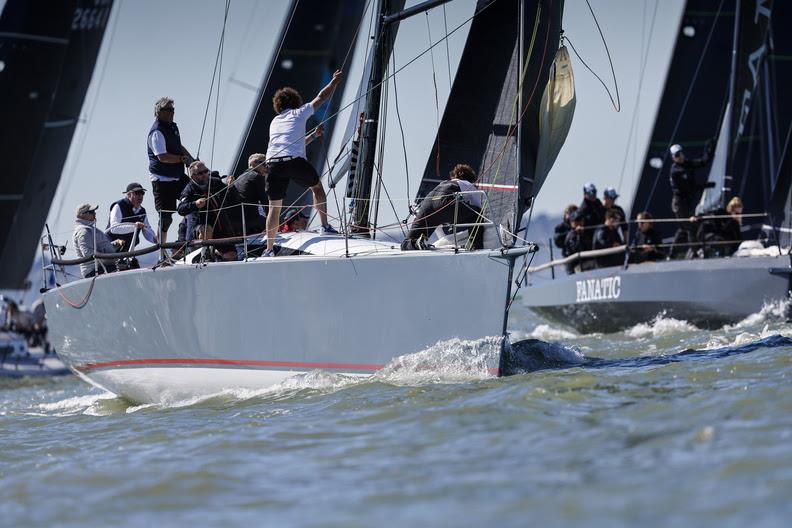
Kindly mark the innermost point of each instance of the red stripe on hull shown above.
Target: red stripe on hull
(234, 362)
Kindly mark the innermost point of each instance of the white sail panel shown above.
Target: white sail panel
(711, 198)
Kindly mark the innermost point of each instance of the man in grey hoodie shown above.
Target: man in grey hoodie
(85, 233)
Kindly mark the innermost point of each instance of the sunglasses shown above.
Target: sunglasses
(139, 193)
(168, 109)
(201, 172)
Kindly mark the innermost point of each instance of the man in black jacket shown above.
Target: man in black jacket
(591, 211)
(646, 241)
(252, 188)
(608, 236)
(563, 228)
(209, 201)
(686, 192)
(574, 242)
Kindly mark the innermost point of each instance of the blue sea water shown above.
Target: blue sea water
(662, 438)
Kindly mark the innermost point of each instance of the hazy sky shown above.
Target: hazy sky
(167, 47)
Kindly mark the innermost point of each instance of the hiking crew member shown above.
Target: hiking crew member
(128, 215)
(286, 158)
(252, 188)
(438, 208)
(167, 158)
(686, 192)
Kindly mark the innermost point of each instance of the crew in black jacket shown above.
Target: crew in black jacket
(608, 236)
(646, 241)
(210, 202)
(686, 192)
(563, 228)
(575, 241)
(591, 211)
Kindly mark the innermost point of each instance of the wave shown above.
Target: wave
(545, 332)
(772, 312)
(660, 326)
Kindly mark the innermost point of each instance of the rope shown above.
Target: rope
(214, 75)
(401, 129)
(437, 99)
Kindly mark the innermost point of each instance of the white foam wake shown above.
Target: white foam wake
(773, 312)
(660, 326)
(546, 332)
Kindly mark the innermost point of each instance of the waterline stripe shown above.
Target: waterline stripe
(233, 362)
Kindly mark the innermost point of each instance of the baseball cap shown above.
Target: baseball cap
(132, 187)
(590, 188)
(675, 149)
(610, 192)
(86, 208)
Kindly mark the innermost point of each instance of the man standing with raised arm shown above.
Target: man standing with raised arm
(286, 156)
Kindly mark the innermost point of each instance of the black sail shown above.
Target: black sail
(693, 100)
(48, 51)
(481, 117)
(317, 38)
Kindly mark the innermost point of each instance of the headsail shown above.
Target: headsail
(479, 125)
(48, 51)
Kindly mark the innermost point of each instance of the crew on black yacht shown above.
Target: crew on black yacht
(609, 236)
(647, 241)
(128, 218)
(720, 236)
(686, 193)
(561, 230)
(575, 242)
(591, 211)
(439, 207)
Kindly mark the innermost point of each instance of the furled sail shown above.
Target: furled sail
(692, 103)
(711, 198)
(316, 40)
(479, 125)
(48, 51)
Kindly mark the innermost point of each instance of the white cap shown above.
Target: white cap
(590, 188)
(675, 149)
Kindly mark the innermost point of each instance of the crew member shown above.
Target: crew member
(563, 228)
(207, 199)
(574, 242)
(591, 212)
(294, 221)
(128, 218)
(167, 158)
(85, 232)
(686, 191)
(721, 233)
(439, 206)
(608, 236)
(286, 155)
(609, 196)
(646, 241)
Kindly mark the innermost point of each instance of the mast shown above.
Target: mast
(384, 38)
(727, 178)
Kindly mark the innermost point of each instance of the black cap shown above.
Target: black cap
(132, 187)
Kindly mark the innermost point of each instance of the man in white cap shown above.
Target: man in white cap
(85, 235)
(686, 191)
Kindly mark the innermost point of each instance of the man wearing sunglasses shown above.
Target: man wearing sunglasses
(128, 218)
(84, 236)
(167, 158)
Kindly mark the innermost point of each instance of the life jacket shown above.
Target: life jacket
(172, 145)
(127, 215)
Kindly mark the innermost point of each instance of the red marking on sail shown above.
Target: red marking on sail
(496, 186)
(235, 362)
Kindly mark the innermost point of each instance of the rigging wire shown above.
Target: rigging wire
(635, 116)
(448, 52)
(404, 143)
(437, 99)
(212, 84)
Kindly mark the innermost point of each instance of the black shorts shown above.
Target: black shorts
(166, 193)
(298, 170)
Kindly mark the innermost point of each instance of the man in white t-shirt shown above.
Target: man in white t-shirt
(286, 157)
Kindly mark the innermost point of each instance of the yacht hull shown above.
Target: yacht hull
(707, 293)
(193, 330)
